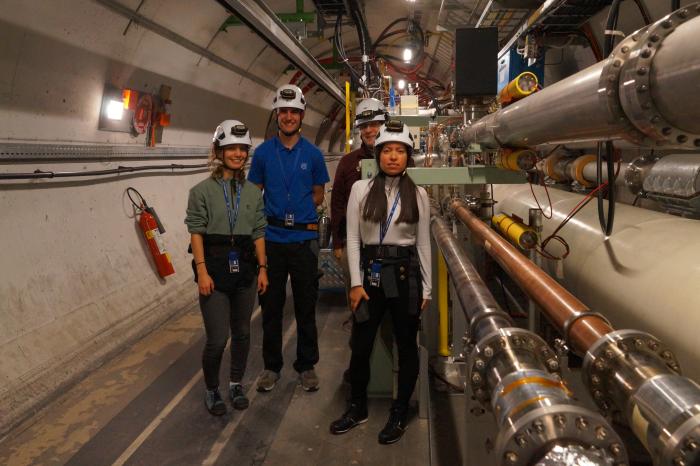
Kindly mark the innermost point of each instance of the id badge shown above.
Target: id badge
(375, 273)
(289, 220)
(233, 262)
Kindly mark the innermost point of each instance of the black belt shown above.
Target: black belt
(375, 251)
(297, 226)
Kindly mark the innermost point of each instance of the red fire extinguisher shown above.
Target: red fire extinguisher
(153, 230)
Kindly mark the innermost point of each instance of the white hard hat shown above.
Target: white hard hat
(370, 110)
(289, 96)
(394, 131)
(232, 132)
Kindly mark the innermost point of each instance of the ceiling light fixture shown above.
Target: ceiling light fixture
(407, 55)
(402, 84)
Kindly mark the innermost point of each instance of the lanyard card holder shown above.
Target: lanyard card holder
(375, 273)
(234, 265)
(289, 220)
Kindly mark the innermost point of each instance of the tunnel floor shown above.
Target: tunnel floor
(145, 407)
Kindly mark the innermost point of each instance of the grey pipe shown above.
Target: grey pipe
(481, 310)
(644, 92)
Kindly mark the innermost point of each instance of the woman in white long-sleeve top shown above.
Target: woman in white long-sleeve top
(388, 243)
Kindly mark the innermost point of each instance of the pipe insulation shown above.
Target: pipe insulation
(645, 92)
(643, 276)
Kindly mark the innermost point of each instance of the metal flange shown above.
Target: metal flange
(635, 81)
(522, 442)
(600, 361)
(608, 87)
(506, 339)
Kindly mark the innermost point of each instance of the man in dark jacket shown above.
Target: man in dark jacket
(370, 116)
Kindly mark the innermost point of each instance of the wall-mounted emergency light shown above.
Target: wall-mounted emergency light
(114, 113)
(115, 109)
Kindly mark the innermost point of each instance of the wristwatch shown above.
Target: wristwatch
(261, 266)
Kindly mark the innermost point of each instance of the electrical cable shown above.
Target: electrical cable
(36, 174)
(551, 209)
(644, 11)
(611, 27)
(606, 224)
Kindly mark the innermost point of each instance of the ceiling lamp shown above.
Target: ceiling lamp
(407, 55)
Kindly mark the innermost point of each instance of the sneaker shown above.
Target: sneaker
(309, 380)
(215, 405)
(267, 380)
(394, 428)
(238, 398)
(353, 417)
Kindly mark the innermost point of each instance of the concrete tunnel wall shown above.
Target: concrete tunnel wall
(77, 282)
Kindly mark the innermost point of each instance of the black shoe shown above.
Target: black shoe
(353, 417)
(215, 405)
(238, 398)
(394, 428)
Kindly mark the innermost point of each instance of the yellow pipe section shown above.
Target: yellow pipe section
(443, 330)
(516, 232)
(521, 159)
(347, 117)
(522, 86)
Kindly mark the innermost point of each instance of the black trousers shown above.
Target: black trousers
(223, 311)
(299, 261)
(405, 318)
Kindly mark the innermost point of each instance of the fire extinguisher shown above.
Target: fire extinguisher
(152, 230)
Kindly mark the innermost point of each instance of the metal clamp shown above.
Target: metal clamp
(635, 82)
(573, 319)
(605, 354)
(505, 340)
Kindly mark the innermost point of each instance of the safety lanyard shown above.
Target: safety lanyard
(288, 183)
(232, 218)
(383, 229)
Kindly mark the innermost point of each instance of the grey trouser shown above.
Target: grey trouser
(221, 312)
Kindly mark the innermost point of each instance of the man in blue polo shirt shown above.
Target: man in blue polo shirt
(292, 173)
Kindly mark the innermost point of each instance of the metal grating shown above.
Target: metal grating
(328, 10)
(15, 151)
(332, 279)
(506, 20)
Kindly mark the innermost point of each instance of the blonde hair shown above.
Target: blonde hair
(216, 164)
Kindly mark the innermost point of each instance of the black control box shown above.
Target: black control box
(476, 62)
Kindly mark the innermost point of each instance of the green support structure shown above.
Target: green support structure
(300, 16)
(473, 174)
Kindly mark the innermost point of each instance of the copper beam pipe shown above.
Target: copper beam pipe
(556, 302)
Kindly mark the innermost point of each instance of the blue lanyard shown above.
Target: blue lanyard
(383, 229)
(232, 218)
(288, 183)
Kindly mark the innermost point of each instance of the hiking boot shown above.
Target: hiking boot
(267, 380)
(238, 398)
(394, 428)
(215, 405)
(309, 381)
(353, 417)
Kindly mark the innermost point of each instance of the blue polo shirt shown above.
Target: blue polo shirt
(288, 177)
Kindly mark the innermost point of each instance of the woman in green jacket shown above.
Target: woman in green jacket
(226, 219)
